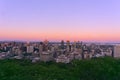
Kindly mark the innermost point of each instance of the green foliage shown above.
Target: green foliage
(95, 69)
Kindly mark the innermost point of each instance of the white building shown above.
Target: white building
(30, 49)
(75, 55)
(63, 59)
(46, 56)
(116, 51)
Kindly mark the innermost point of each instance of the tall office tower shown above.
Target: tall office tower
(92, 46)
(86, 55)
(78, 44)
(84, 47)
(72, 48)
(116, 53)
(84, 51)
(52, 48)
(13, 49)
(17, 51)
(56, 46)
(45, 45)
(62, 44)
(30, 49)
(40, 48)
(68, 46)
(67, 42)
(74, 45)
(24, 48)
(109, 52)
(46, 42)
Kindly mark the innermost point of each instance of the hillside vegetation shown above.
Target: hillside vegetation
(94, 69)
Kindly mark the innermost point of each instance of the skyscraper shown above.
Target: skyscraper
(116, 51)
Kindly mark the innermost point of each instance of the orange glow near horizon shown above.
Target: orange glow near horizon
(61, 36)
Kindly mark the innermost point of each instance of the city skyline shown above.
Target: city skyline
(56, 20)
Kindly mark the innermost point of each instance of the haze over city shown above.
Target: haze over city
(55, 20)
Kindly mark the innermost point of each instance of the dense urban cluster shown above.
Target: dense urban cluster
(64, 51)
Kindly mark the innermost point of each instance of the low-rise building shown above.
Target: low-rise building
(63, 59)
(46, 56)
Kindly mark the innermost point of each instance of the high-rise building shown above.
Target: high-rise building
(30, 49)
(74, 44)
(62, 44)
(68, 46)
(40, 47)
(116, 53)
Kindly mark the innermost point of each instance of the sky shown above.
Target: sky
(54, 20)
